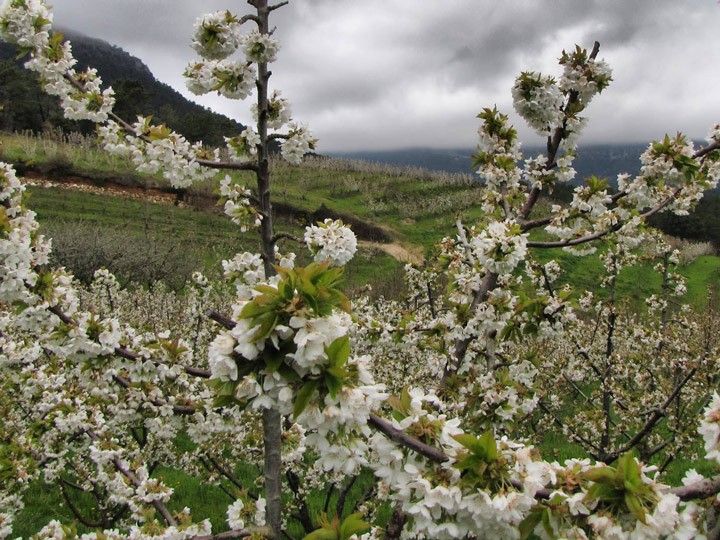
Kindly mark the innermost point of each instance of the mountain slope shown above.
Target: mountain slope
(25, 107)
(604, 160)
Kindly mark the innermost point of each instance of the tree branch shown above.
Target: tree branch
(261, 532)
(278, 5)
(600, 234)
(656, 415)
(402, 438)
(127, 354)
(73, 508)
(340, 507)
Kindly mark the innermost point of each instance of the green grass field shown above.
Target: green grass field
(415, 210)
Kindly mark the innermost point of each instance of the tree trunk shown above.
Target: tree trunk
(272, 424)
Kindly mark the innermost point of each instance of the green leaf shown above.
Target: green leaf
(406, 401)
(487, 441)
(266, 289)
(227, 388)
(547, 523)
(268, 322)
(353, 524)
(303, 397)
(527, 525)
(630, 470)
(600, 474)
(338, 351)
(333, 384)
(468, 441)
(635, 506)
(322, 534)
(252, 310)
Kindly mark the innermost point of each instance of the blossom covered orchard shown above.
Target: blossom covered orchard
(287, 377)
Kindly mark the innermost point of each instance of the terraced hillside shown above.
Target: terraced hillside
(99, 211)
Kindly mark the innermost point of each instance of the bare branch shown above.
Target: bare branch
(222, 320)
(340, 507)
(73, 507)
(278, 5)
(703, 152)
(701, 489)
(400, 437)
(261, 532)
(247, 18)
(229, 165)
(656, 415)
(123, 352)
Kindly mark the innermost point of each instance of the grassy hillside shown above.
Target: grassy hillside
(410, 209)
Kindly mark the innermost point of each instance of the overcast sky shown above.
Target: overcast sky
(383, 74)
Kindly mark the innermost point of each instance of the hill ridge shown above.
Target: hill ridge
(138, 91)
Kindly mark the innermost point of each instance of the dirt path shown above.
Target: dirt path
(153, 195)
(401, 253)
(397, 251)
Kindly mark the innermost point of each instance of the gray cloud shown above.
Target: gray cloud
(398, 73)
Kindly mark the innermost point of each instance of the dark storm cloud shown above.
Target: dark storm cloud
(392, 73)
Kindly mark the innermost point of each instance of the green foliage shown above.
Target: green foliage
(314, 287)
(529, 81)
(596, 184)
(482, 465)
(336, 530)
(335, 375)
(621, 488)
(400, 405)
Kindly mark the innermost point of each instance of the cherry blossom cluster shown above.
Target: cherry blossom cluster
(233, 80)
(710, 428)
(89, 397)
(299, 143)
(81, 94)
(499, 247)
(537, 174)
(331, 241)
(217, 36)
(237, 204)
(155, 149)
(583, 75)
(668, 166)
(496, 157)
(244, 144)
(538, 100)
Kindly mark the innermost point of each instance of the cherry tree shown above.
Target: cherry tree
(277, 369)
